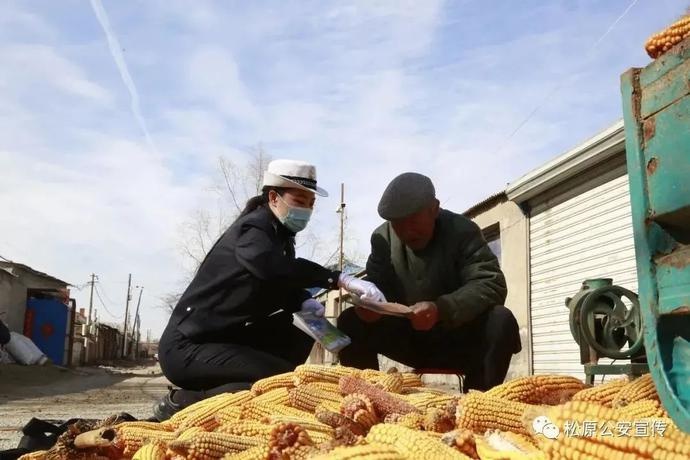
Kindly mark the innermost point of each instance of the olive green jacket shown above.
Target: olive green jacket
(457, 270)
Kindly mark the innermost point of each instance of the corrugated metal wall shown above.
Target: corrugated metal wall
(588, 236)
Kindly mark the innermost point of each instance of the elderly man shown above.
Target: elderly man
(438, 263)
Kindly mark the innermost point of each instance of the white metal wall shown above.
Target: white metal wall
(587, 236)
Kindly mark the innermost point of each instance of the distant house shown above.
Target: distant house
(17, 282)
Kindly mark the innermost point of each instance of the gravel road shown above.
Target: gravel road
(55, 393)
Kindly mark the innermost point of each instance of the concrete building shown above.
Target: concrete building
(560, 224)
(505, 228)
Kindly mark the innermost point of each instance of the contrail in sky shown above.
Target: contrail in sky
(116, 52)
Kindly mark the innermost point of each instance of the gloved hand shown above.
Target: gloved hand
(314, 307)
(364, 289)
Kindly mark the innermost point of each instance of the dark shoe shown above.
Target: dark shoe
(166, 407)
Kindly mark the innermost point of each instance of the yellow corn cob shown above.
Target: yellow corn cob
(189, 433)
(439, 420)
(672, 443)
(602, 394)
(572, 448)
(411, 380)
(146, 425)
(205, 416)
(151, 451)
(228, 414)
(640, 389)
(250, 428)
(38, 455)
(412, 420)
(309, 425)
(322, 386)
(462, 440)
(424, 401)
(372, 451)
(392, 383)
(663, 41)
(424, 390)
(539, 389)
(208, 446)
(642, 409)
(132, 439)
(371, 375)
(411, 443)
(480, 412)
(332, 406)
(176, 420)
(307, 373)
(254, 411)
(260, 452)
(286, 380)
(306, 397)
(275, 396)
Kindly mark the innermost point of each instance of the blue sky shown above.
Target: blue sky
(364, 89)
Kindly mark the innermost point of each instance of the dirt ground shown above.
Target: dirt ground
(57, 394)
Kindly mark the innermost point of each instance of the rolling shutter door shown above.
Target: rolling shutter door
(587, 236)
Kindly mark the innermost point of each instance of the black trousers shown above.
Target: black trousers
(264, 348)
(482, 349)
(4, 334)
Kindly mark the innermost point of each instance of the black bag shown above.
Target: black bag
(42, 435)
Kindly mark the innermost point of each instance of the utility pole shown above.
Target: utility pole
(129, 297)
(93, 281)
(136, 323)
(87, 339)
(341, 210)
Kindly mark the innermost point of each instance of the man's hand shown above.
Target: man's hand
(367, 316)
(424, 315)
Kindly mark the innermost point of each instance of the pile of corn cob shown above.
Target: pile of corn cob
(663, 41)
(335, 412)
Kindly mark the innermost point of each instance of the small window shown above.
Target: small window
(493, 239)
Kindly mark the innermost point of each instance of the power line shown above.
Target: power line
(562, 81)
(5, 259)
(105, 294)
(103, 304)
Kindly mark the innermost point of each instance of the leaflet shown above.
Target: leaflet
(321, 330)
(383, 308)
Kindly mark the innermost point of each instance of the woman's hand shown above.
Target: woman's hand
(314, 307)
(364, 289)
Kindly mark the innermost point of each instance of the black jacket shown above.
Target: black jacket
(249, 273)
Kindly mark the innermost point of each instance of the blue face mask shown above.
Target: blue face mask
(296, 218)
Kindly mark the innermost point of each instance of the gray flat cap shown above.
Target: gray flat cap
(406, 194)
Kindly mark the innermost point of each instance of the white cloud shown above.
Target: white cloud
(215, 77)
(28, 65)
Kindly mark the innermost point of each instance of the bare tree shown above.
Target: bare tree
(233, 185)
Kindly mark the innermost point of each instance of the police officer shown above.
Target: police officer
(233, 324)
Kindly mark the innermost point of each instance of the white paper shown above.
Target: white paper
(383, 308)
